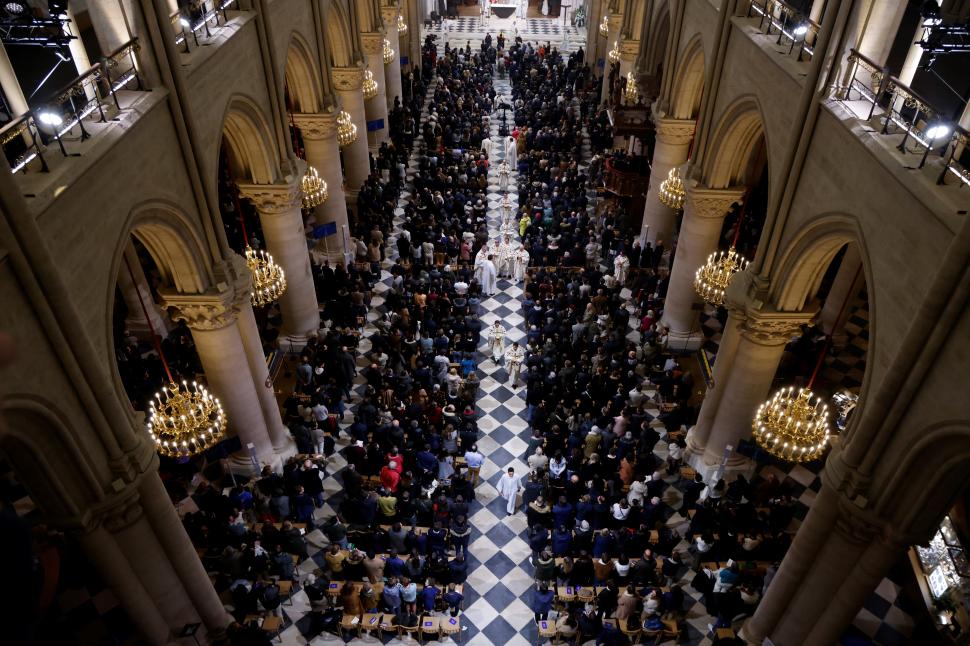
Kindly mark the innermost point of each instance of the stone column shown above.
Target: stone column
(181, 554)
(848, 281)
(392, 70)
(672, 145)
(704, 211)
(283, 443)
(323, 153)
(109, 24)
(104, 554)
(347, 81)
(616, 21)
(746, 385)
(136, 292)
(11, 85)
(837, 558)
(281, 217)
(376, 107)
(215, 330)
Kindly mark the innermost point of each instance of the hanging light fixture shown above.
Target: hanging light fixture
(714, 276)
(672, 191)
(183, 420)
(369, 86)
(314, 188)
(605, 27)
(632, 90)
(346, 129)
(614, 54)
(402, 27)
(269, 280)
(795, 426)
(388, 52)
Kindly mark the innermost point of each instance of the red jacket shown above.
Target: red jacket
(390, 478)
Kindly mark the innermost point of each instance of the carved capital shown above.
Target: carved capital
(212, 311)
(629, 49)
(347, 79)
(273, 199)
(389, 14)
(675, 132)
(710, 203)
(321, 125)
(372, 42)
(854, 526)
(772, 328)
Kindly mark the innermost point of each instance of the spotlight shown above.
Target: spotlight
(15, 9)
(57, 7)
(185, 22)
(930, 13)
(937, 131)
(50, 118)
(800, 30)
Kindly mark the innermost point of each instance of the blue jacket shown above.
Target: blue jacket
(542, 601)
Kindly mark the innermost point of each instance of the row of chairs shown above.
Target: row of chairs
(380, 623)
(553, 631)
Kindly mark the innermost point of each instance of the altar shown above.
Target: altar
(504, 9)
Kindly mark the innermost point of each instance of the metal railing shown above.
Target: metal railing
(902, 110)
(197, 20)
(792, 26)
(26, 138)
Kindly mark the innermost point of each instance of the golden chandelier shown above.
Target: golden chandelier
(388, 52)
(672, 191)
(269, 281)
(314, 188)
(605, 27)
(614, 54)
(346, 129)
(791, 426)
(632, 91)
(712, 278)
(185, 420)
(402, 27)
(369, 86)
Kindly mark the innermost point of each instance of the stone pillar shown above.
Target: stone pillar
(913, 56)
(750, 373)
(376, 107)
(672, 146)
(704, 211)
(281, 217)
(347, 81)
(282, 441)
(78, 54)
(104, 554)
(180, 552)
(215, 330)
(136, 292)
(848, 281)
(839, 555)
(323, 153)
(108, 21)
(392, 70)
(12, 92)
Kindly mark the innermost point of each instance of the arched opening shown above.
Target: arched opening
(656, 46)
(688, 86)
(338, 37)
(301, 80)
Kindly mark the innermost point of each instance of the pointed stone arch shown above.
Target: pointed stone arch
(339, 36)
(302, 77)
(656, 42)
(248, 136)
(688, 88)
(738, 149)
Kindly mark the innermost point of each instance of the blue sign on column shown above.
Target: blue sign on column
(376, 124)
(405, 60)
(324, 230)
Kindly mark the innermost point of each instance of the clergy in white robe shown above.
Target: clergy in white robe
(480, 259)
(508, 487)
(487, 147)
(511, 152)
(520, 263)
(514, 357)
(503, 175)
(506, 256)
(496, 341)
(489, 277)
(621, 266)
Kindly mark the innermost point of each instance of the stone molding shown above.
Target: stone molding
(320, 125)
(772, 328)
(206, 312)
(273, 199)
(123, 515)
(629, 49)
(711, 203)
(389, 14)
(675, 132)
(372, 43)
(347, 79)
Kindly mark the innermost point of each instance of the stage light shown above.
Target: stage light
(15, 9)
(57, 7)
(51, 119)
(800, 30)
(930, 13)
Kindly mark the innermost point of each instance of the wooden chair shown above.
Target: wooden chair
(414, 631)
(272, 625)
(430, 625)
(349, 623)
(671, 630)
(370, 622)
(633, 634)
(448, 629)
(549, 631)
(286, 591)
